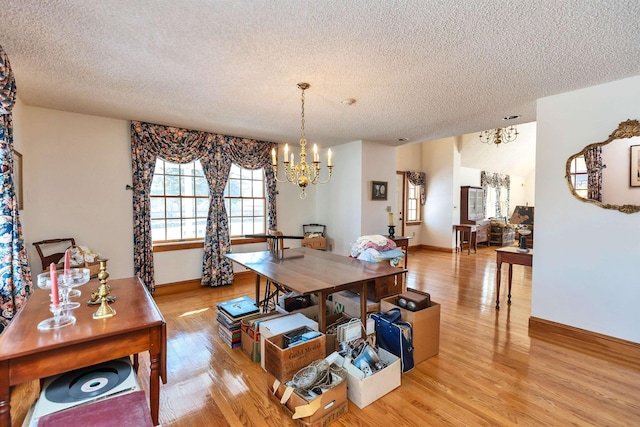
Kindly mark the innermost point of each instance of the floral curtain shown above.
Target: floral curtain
(15, 274)
(496, 188)
(593, 161)
(216, 153)
(419, 178)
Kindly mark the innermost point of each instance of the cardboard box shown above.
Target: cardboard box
(317, 412)
(281, 325)
(315, 243)
(349, 302)
(283, 363)
(364, 391)
(426, 328)
(250, 333)
(311, 311)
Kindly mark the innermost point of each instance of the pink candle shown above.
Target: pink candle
(67, 261)
(55, 298)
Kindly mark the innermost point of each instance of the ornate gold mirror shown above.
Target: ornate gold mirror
(607, 173)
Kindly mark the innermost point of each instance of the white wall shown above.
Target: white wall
(585, 260)
(378, 164)
(441, 163)
(75, 170)
(338, 203)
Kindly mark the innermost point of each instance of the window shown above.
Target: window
(579, 177)
(413, 203)
(180, 202)
(244, 199)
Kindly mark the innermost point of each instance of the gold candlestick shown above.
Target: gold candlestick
(105, 309)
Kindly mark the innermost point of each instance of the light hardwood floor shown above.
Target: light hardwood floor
(489, 371)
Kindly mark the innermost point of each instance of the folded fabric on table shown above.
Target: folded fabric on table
(375, 241)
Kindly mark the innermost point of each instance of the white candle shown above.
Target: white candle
(390, 218)
(329, 163)
(315, 153)
(273, 156)
(286, 152)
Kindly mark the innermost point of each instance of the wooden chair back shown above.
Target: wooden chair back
(54, 244)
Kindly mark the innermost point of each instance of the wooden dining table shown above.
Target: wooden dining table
(27, 353)
(309, 271)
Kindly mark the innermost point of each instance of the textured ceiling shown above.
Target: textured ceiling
(418, 69)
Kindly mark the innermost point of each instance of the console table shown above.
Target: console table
(27, 354)
(471, 232)
(510, 255)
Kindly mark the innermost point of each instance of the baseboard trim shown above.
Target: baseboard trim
(434, 248)
(594, 342)
(195, 284)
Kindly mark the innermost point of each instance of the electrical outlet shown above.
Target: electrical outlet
(414, 234)
(388, 208)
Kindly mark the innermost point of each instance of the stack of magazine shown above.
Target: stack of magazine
(230, 313)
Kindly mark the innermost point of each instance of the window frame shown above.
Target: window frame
(416, 199)
(574, 173)
(197, 242)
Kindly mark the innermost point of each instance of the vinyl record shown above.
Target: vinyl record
(87, 382)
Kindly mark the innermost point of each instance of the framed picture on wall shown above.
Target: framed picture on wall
(378, 190)
(634, 167)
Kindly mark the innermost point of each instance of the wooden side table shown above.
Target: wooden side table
(511, 256)
(471, 232)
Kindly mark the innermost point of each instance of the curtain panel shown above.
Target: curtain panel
(593, 161)
(216, 153)
(15, 274)
(496, 188)
(419, 178)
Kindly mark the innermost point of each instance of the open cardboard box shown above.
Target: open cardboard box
(364, 391)
(425, 326)
(314, 412)
(250, 333)
(283, 362)
(281, 325)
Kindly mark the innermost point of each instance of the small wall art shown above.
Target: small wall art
(378, 190)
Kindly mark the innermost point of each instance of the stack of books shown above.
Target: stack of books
(230, 314)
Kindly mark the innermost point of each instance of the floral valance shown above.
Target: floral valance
(7, 84)
(419, 178)
(495, 180)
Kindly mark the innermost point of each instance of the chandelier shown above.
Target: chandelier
(301, 174)
(499, 136)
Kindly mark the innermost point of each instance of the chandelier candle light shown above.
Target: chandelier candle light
(303, 173)
(499, 136)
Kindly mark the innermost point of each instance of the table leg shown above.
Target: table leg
(457, 233)
(475, 241)
(510, 279)
(470, 233)
(498, 274)
(5, 395)
(363, 308)
(322, 309)
(258, 291)
(154, 387)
